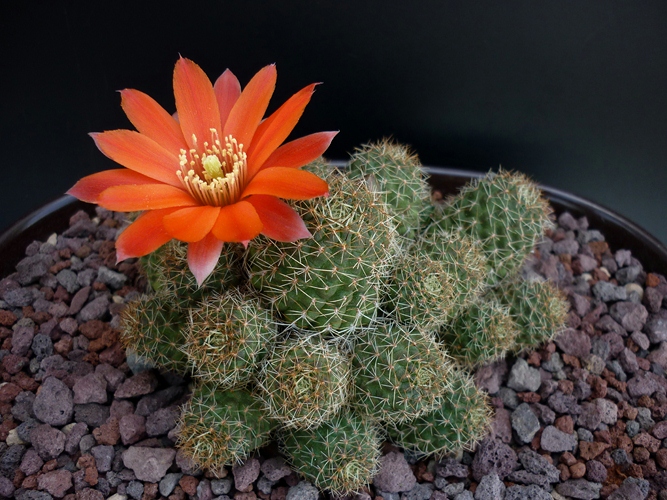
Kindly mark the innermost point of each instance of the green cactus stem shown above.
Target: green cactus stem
(505, 212)
(461, 419)
(396, 174)
(219, 428)
(399, 372)
(538, 308)
(168, 273)
(155, 331)
(333, 281)
(228, 337)
(483, 332)
(421, 292)
(340, 455)
(304, 382)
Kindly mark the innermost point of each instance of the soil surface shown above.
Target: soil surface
(583, 417)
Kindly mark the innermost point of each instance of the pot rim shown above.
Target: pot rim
(619, 232)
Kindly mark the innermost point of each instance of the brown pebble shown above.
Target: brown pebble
(577, 470)
(645, 401)
(568, 458)
(565, 424)
(564, 472)
(529, 397)
(109, 433)
(624, 443)
(150, 491)
(30, 482)
(640, 454)
(189, 484)
(534, 359)
(50, 465)
(634, 470)
(649, 469)
(178, 494)
(280, 493)
(652, 280)
(566, 386)
(245, 495)
(588, 451)
(661, 458)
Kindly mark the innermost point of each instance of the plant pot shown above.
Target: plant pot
(618, 231)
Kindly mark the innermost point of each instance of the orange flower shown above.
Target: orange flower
(212, 175)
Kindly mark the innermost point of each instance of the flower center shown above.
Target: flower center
(214, 174)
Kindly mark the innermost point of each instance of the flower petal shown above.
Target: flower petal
(139, 153)
(286, 183)
(250, 107)
(273, 131)
(227, 91)
(143, 236)
(301, 151)
(152, 120)
(143, 197)
(196, 103)
(203, 256)
(281, 222)
(191, 223)
(236, 223)
(89, 188)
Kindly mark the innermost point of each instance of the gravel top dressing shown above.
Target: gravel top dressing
(583, 417)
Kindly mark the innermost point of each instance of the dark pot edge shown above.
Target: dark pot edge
(619, 232)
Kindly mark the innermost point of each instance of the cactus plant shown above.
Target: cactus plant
(337, 339)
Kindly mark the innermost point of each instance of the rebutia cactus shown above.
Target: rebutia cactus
(340, 340)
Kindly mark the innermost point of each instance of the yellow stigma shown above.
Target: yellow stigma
(212, 165)
(214, 175)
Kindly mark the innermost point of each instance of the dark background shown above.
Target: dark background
(574, 93)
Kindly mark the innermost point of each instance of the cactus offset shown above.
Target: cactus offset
(340, 455)
(333, 281)
(219, 428)
(399, 372)
(155, 331)
(168, 273)
(461, 419)
(228, 336)
(395, 173)
(504, 212)
(538, 308)
(483, 332)
(304, 382)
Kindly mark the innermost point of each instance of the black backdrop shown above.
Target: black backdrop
(574, 93)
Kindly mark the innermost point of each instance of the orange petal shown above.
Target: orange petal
(236, 223)
(300, 152)
(203, 255)
(281, 222)
(152, 120)
(251, 106)
(286, 183)
(139, 153)
(196, 103)
(274, 130)
(227, 91)
(90, 187)
(143, 197)
(192, 223)
(143, 236)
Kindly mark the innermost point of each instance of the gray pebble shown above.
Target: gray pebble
(524, 378)
(220, 486)
(490, 488)
(302, 491)
(169, 482)
(525, 423)
(421, 491)
(135, 489)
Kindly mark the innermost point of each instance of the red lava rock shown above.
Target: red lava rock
(178, 494)
(534, 359)
(641, 454)
(661, 458)
(635, 470)
(241, 495)
(564, 472)
(565, 424)
(29, 482)
(7, 318)
(624, 443)
(8, 392)
(598, 387)
(189, 484)
(577, 470)
(660, 430)
(87, 463)
(646, 440)
(529, 397)
(150, 491)
(114, 355)
(108, 433)
(137, 385)
(13, 363)
(588, 451)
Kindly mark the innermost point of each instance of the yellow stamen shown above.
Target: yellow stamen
(215, 176)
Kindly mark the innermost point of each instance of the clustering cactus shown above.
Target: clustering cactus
(362, 332)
